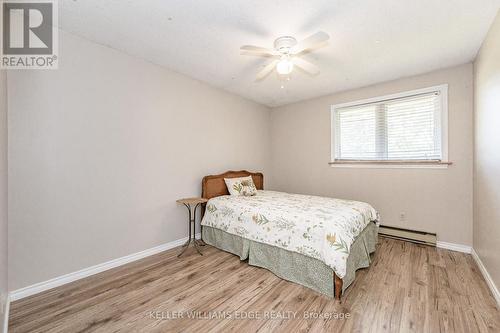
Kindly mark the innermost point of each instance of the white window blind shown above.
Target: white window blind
(403, 128)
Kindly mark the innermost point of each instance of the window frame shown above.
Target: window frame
(442, 118)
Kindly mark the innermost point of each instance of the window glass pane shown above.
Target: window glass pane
(411, 129)
(357, 133)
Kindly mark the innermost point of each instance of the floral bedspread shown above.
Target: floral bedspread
(318, 227)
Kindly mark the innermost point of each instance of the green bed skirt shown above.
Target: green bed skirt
(292, 266)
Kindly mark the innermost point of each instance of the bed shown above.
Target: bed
(314, 241)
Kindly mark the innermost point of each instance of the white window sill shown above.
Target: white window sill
(390, 164)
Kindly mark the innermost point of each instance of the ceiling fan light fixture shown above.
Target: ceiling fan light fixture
(284, 66)
(285, 49)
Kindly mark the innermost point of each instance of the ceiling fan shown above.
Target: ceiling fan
(286, 54)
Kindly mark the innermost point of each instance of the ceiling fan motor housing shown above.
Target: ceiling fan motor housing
(284, 44)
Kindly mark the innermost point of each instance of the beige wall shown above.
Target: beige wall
(3, 194)
(101, 148)
(433, 200)
(487, 153)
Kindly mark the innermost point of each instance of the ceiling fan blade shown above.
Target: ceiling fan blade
(306, 66)
(310, 42)
(257, 50)
(266, 70)
(263, 55)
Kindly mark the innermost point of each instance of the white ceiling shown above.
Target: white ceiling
(371, 40)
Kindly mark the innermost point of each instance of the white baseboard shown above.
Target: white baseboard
(454, 247)
(83, 273)
(5, 322)
(487, 277)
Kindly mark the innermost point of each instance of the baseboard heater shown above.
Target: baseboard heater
(414, 236)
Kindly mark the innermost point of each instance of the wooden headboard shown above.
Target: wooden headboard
(214, 185)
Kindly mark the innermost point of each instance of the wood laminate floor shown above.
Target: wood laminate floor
(408, 288)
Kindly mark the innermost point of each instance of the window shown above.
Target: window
(405, 128)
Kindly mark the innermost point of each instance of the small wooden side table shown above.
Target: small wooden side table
(189, 203)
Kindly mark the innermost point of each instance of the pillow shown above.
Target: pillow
(241, 186)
